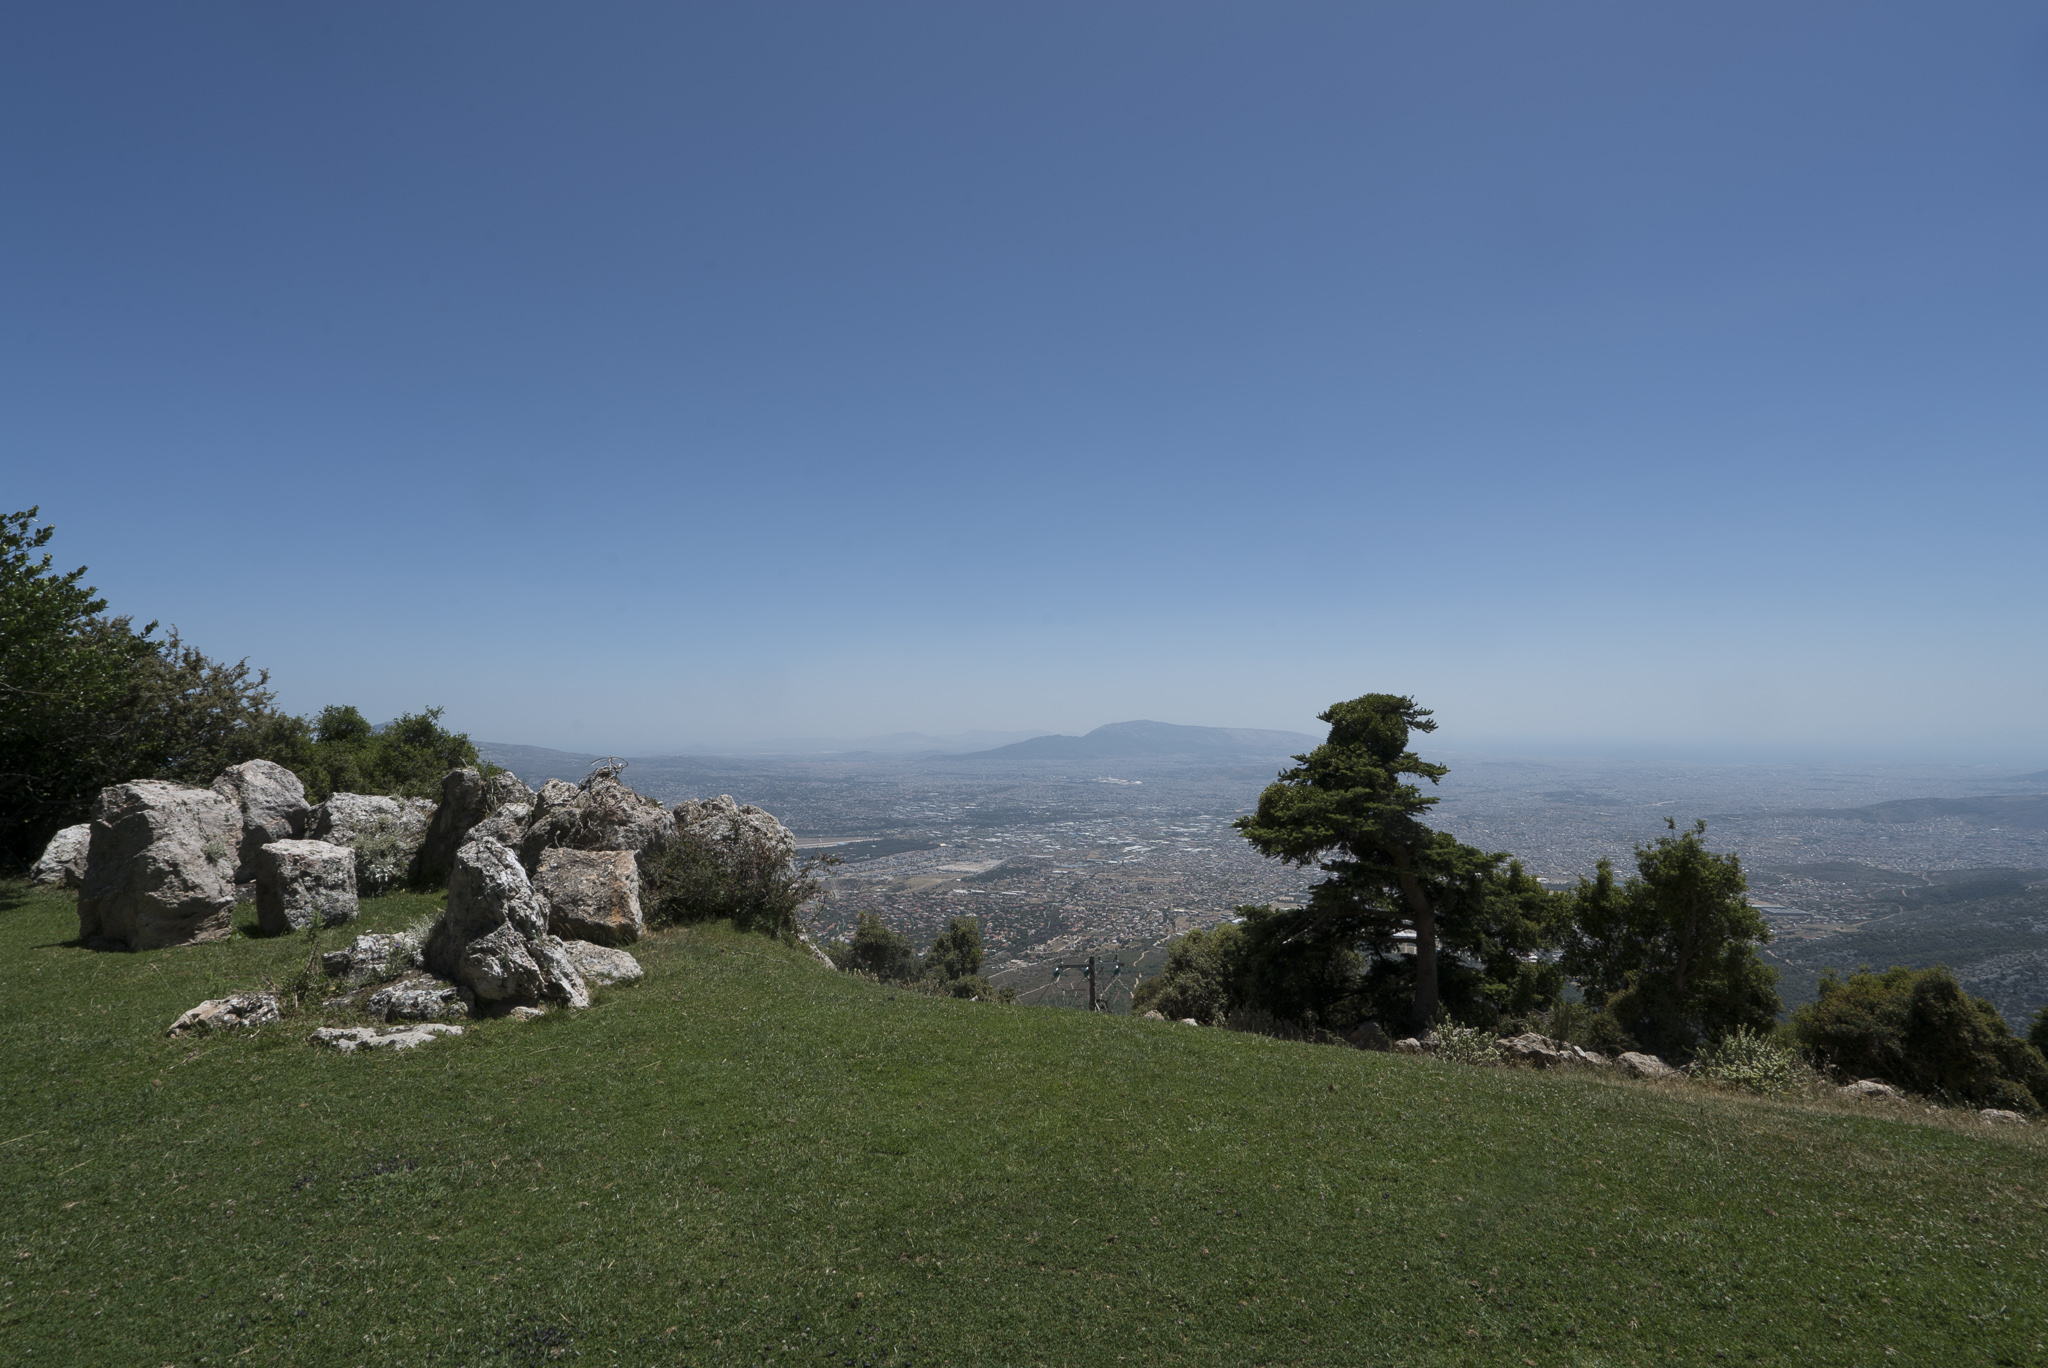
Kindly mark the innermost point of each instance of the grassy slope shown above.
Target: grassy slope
(747, 1157)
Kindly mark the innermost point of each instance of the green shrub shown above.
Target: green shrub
(1202, 978)
(1581, 1024)
(956, 953)
(1749, 1059)
(1919, 1030)
(738, 877)
(1464, 1044)
(877, 951)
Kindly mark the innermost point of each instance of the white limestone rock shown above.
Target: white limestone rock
(602, 964)
(63, 861)
(230, 1013)
(419, 999)
(592, 895)
(303, 883)
(1638, 1065)
(271, 803)
(349, 1039)
(385, 834)
(160, 867)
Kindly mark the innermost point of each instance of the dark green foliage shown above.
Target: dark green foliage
(1203, 977)
(1672, 953)
(1918, 1029)
(340, 752)
(1348, 808)
(88, 700)
(877, 950)
(956, 954)
(2037, 1030)
(738, 877)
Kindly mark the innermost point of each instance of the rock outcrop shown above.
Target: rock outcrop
(1871, 1088)
(385, 833)
(1998, 1116)
(1369, 1036)
(602, 963)
(592, 895)
(599, 814)
(227, 1014)
(1537, 1051)
(160, 868)
(271, 803)
(349, 1039)
(721, 824)
(1637, 1065)
(63, 862)
(493, 939)
(418, 999)
(464, 803)
(301, 883)
(372, 957)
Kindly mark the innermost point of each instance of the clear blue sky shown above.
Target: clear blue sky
(622, 376)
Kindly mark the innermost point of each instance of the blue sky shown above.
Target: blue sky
(622, 377)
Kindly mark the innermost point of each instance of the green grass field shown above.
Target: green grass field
(746, 1158)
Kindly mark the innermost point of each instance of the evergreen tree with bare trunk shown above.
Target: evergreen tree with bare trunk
(1352, 808)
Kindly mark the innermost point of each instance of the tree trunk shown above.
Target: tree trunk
(1423, 916)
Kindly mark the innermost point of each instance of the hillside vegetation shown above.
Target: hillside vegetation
(748, 1158)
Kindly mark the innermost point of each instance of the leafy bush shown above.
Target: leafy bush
(956, 954)
(1919, 1030)
(1580, 1024)
(340, 752)
(1202, 979)
(1749, 1059)
(1463, 1044)
(877, 951)
(738, 877)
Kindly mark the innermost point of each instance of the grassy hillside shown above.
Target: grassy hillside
(746, 1158)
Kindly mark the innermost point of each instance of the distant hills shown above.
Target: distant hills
(1155, 741)
(2025, 811)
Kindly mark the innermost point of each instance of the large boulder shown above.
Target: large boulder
(160, 869)
(465, 801)
(63, 861)
(592, 895)
(740, 830)
(602, 963)
(493, 939)
(1637, 1065)
(1369, 1036)
(304, 883)
(385, 834)
(506, 826)
(599, 814)
(272, 804)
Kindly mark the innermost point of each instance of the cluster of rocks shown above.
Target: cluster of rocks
(544, 889)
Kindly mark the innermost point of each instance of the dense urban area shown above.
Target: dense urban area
(1059, 862)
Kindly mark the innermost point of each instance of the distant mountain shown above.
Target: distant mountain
(1155, 741)
(2026, 811)
(536, 765)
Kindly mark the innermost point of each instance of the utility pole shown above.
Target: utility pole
(1090, 967)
